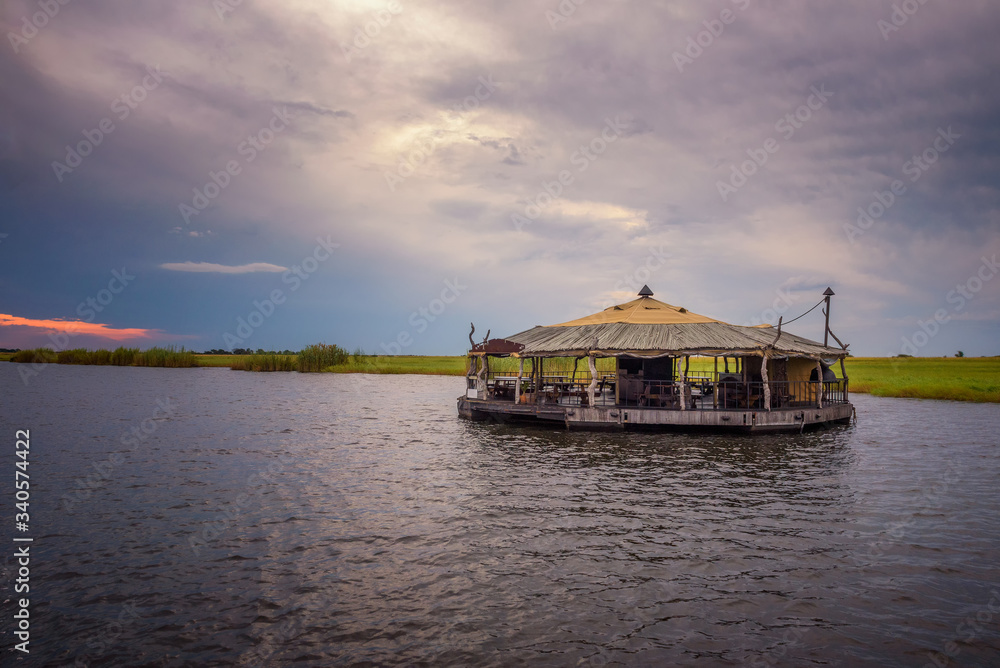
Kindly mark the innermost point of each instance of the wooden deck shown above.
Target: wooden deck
(620, 418)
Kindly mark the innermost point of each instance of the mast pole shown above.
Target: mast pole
(826, 332)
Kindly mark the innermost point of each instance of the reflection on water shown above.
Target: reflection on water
(275, 519)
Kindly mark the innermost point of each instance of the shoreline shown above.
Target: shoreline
(967, 379)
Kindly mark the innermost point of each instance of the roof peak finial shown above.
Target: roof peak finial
(645, 292)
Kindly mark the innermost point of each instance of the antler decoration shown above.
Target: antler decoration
(473, 343)
(778, 335)
(842, 344)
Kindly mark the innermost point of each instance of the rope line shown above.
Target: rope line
(806, 313)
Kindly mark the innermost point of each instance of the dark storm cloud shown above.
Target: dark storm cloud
(471, 111)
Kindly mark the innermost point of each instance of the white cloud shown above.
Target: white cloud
(209, 267)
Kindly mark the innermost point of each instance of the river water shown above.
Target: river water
(210, 517)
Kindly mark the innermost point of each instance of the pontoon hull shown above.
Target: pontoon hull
(620, 418)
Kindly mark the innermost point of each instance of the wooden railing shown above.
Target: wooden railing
(552, 389)
(700, 392)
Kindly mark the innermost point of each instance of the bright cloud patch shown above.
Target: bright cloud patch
(223, 268)
(78, 327)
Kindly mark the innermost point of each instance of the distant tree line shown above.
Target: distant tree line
(248, 351)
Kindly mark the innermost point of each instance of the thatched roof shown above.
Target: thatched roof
(646, 327)
(641, 311)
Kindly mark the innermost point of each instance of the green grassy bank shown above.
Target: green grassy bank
(955, 378)
(155, 357)
(959, 379)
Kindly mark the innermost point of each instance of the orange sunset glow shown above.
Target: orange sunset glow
(78, 327)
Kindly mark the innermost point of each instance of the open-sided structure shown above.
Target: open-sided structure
(651, 364)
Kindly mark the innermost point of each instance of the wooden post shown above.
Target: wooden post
(618, 382)
(826, 332)
(843, 374)
(538, 385)
(517, 383)
(819, 388)
(481, 380)
(593, 379)
(534, 379)
(684, 383)
(715, 385)
(472, 373)
(763, 378)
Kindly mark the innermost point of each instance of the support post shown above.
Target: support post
(826, 332)
(767, 385)
(819, 386)
(593, 379)
(618, 382)
(843, 374)
(538, 384)
(715, 385)
(517, 383)
(684, 384)
(481, 380)
(534, 379)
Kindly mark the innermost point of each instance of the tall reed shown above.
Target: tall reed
(121, 356)
(319, 356)
(36, 356)
(265, 362)
(165, 357)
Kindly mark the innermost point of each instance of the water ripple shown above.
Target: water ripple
(285, 519)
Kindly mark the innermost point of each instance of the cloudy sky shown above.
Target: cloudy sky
(379, 174)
